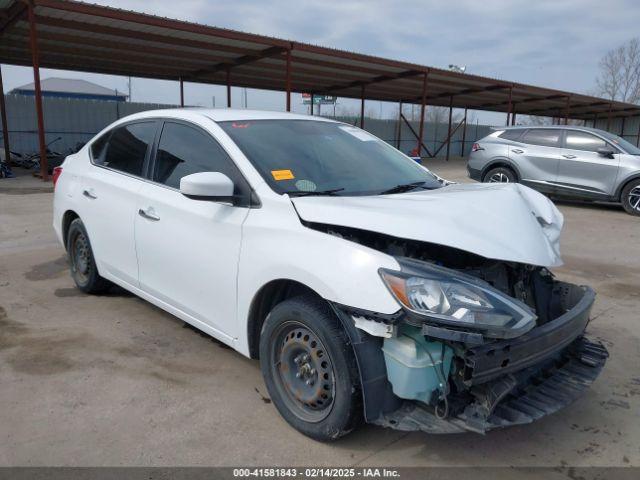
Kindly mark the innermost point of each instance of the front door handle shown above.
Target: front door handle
(568, 155)
(517, 150)
(149, 214)
(89, 194)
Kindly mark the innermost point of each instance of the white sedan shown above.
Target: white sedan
(369, 288)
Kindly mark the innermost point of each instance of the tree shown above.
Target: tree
(619, 77)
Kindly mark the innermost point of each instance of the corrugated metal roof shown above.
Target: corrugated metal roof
(71, 85)
(85, 37)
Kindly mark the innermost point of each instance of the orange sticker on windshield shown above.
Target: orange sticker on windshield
(282, 175)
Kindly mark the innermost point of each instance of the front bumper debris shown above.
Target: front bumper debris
(549, 388)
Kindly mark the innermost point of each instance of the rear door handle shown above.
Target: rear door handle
(89, 194)
(149, 214)
(517, 150)
(568, 155)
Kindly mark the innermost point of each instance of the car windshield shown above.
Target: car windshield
(621, 142)
(307, 157)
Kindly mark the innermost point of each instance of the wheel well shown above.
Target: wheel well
(268, 297)
(68, 217)
(503, 164)
(624, 185)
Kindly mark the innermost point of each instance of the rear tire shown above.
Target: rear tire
(630, 197)
(81, 261)
(310, 370)
(500, 175)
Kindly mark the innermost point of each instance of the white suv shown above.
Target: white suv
(369, 288)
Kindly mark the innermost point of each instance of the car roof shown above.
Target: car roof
(224, 114)
(553, 127)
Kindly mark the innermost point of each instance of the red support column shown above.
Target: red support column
(638, 137)
(362, 106)
(449, 129)
(464, 132)
(513, 115)
(228, 87)
(566, 112)
(288, 80)
(622, 128)
(399, 125)
(35, 59)
(311, 109)
(5, 127)
(609, 117)
(181, 93)
(422, 109)
(510, 106)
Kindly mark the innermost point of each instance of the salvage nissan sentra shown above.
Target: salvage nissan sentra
(369, 288)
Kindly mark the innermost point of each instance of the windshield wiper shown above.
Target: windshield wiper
(316, 193)
(404, 187)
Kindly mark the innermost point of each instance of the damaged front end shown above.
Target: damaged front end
(479, 344)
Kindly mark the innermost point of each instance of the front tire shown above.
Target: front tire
(630, 197)
(83, 265)
(500, 175)
(310, 370)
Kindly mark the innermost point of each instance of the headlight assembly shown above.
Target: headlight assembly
(447, 297)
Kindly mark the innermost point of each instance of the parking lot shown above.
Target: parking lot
(112, 380)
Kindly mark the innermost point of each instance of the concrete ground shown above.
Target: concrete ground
(112, 380)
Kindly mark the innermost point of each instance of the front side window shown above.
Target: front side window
(577, 140)
(126, 148)
(309, 156)
(545, 137)
(620, 142)
(183, 150)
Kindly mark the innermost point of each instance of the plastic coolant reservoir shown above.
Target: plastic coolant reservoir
(410, 370)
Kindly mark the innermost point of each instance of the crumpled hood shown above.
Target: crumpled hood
(500, 221)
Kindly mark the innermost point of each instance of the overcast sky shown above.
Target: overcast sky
(549, 43)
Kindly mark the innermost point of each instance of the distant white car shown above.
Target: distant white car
(368, 288)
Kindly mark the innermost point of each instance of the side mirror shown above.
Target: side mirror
(207, 186)
(605, 152)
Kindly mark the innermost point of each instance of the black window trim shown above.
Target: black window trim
(252, 202)
(147, 156)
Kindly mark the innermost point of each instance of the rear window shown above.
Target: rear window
(513, 135)
(126, 147)
(545, 137)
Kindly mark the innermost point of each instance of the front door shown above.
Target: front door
(188, 249)
(582, 170)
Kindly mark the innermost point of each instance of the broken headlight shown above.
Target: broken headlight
(448, 297)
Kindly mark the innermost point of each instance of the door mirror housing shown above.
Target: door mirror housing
(207, 186)
(605, 152)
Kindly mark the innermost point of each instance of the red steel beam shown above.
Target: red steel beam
(362, 106)
(288, 80)
(422, 110)
(228, 88)
(449, 130)
(35, 60)
(5, 126)
(15, 13)
(236, 62)
(378, 79)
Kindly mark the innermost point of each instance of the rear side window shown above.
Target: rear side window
(184, 150)
(126, 148)
(545, 137)
(513, 135)
(577, 140)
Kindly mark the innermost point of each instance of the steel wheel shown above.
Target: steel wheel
(634, 198)
(303, 372)
(80, 258)
(498, 177)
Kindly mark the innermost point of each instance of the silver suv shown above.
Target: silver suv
(564, 161)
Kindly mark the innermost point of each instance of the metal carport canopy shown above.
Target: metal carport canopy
(85, 37)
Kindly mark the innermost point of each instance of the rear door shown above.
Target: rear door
(538, 157)
(188, 250)
(582, 170)
(109, 196)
